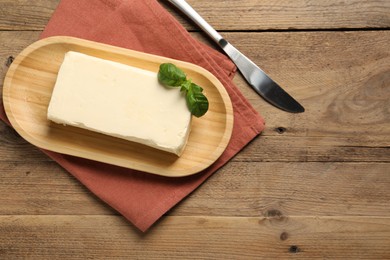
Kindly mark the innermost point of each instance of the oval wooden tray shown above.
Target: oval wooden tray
(28, 87)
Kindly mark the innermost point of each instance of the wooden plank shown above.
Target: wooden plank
(101, 237)
(293, 189)
(239, 189)
(233, 15)
(346, 98)
(26, 15)
(294, 15)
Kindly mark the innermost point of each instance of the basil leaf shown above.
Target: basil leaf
(196, 88)
(197, 103)
(186, 85)
(171, 75)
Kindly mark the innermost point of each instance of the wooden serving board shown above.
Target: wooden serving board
(27, 91)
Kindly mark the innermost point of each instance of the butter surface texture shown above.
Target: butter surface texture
(120, 101)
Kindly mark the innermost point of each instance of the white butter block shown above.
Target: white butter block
(120, 101)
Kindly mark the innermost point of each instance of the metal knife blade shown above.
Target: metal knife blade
(256, 77)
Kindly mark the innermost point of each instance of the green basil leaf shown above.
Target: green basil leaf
(196, 88)
(186, 85)
(170, 75)
(197, 103)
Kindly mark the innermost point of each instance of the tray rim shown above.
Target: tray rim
(121, 51)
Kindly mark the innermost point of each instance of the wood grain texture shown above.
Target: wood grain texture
(239, 189)
(26, 15)
(312, 186)
(200, 238)
(229, 15)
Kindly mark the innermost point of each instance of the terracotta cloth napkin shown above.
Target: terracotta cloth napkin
(144, 25)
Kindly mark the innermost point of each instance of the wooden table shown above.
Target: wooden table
(313, 185)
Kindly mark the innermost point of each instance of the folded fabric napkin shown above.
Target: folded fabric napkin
(144, 25)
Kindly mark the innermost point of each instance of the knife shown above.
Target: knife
(256, 77)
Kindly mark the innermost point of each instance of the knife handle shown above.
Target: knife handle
(196, 18)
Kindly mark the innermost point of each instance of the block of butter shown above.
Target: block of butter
(121, 101)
